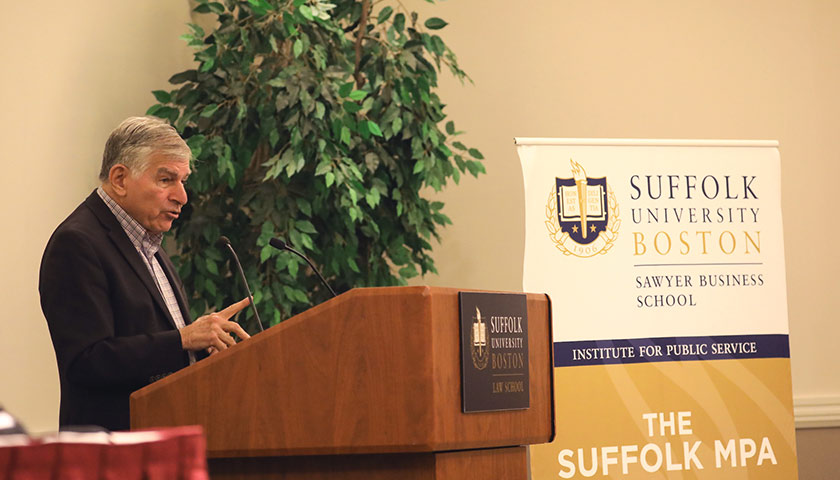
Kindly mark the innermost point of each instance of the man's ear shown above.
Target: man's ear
(117, 176)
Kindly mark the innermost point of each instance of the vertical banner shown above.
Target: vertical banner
(664, 261)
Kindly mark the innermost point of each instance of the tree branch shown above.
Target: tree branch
(357, 74)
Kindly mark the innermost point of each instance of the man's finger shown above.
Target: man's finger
(225, 337)
(219, 344)
(237, 329)
(235, 308)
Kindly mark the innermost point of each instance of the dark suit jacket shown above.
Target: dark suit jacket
(110, 327)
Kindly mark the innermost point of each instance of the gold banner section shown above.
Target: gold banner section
(719, 419)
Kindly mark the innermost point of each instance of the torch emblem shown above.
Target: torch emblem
(478, 341)
(582, 214)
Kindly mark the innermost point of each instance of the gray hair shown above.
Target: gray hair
(135, 139)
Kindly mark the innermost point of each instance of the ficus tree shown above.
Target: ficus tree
(318, 123)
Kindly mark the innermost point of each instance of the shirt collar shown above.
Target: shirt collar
(144, 241)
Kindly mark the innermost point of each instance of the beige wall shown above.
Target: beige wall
(71, 71)
(570, 68)
(650, 69)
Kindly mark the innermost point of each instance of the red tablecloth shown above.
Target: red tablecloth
(171, 453)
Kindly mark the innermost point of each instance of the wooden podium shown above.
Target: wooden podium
(364, 386)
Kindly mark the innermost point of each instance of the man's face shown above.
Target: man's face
(155, 196)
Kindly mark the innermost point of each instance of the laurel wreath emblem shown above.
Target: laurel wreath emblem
(559, 237)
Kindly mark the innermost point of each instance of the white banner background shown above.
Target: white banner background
(605, 285)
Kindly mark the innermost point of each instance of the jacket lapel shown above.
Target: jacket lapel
(126, 248)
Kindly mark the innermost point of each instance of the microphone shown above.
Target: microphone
(281, 245)
(225, 242)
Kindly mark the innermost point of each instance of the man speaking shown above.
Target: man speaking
(115, 307)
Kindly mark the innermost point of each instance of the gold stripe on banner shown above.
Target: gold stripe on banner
(718, 419)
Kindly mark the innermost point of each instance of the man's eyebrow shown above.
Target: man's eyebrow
(167, 171)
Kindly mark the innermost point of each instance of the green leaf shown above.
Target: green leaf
(210, 286)
(475, 168)
(190, 39)
(197, 30)
(185, 76)
(384, 15)
(306, 12)
(476, 154)
(209, 110)
(372, 197)
(243, 109)
(399, 22)
(298, 47)
(167, 113)
(374, 128)
(345, 135)
(435, 23)
(345, 89)
(352, 107)
(211, 266)
(305, 226)
(364, 131)
(329, 179)
(450, 127)
(323, 167)
(260, 7)
(207, 65)
(300, 296)
(372, 162)
(357, 95)
(304, 206)
(358, 173)
(437, 45)
(408, 271)
(162, 96)
(266, 252)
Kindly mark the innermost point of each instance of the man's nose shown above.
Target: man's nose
(180, 194)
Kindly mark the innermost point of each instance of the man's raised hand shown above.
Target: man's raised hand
(213, 331)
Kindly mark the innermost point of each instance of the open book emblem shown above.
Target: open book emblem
(582, 214)
(478, 341)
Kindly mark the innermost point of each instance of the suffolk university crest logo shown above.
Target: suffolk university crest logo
(582, 214)
(478, 341)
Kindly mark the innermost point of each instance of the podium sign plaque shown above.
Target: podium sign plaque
(494, 351)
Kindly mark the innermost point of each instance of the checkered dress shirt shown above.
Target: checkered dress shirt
(147, 245)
